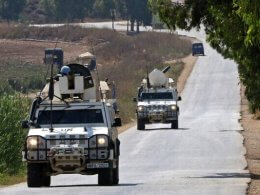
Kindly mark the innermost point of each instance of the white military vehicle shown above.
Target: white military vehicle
(72, 131)
(157, 100)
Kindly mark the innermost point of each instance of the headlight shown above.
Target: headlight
(140, 108)
(173, 107)
(33, 142)
(98, 141)
(102, 141)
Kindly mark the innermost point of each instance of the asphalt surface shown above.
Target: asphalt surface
(204, 156)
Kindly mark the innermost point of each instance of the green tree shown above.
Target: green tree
(120, 7)
(138, 11)
(49, 8)
(68, 10)
(102, 8)
(11, 9)
(232, 28)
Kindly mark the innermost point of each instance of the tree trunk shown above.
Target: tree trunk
(127, 28)
(132, 23)
(137, 26)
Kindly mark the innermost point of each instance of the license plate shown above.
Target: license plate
(97, 165)
(68, 151)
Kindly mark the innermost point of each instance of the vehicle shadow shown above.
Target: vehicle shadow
(255, 176)
(226, 175)
(94, 185)
(166, 129)
(227, 130)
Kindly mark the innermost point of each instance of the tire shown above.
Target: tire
(175, 124)
(116, 174)
(34, 175)
(46, 181)
(105, 177)
(140, 125)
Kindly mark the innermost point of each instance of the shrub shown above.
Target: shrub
(13, 109)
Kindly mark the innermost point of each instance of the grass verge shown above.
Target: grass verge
(6, 180)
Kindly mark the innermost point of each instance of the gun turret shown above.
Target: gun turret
(166, 69)
(157, 79)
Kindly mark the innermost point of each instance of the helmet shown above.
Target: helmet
(65, 70)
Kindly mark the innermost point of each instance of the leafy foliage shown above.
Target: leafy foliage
(232, 27)
(103, 8)
(67, 10)
(11, 9)
(13, 109)
(40, 11)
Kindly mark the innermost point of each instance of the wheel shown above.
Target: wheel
(140, 125)
(105, 177)
(46, 181)
(116, 174)
(34, 175)
(175, 124)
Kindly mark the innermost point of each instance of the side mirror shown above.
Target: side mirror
(179, 98)
(134, 100)
(25, 124)
(117, 122)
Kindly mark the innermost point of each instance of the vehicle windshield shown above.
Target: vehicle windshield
(157, 96)
(198, 46)
(70, 116)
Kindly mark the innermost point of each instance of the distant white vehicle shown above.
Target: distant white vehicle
(157, 100)
(74, 133)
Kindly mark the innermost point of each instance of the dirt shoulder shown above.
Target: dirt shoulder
(189, 62)
(251, 135)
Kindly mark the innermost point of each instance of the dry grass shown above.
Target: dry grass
(257, 115)
(123, 59)
(6, 180)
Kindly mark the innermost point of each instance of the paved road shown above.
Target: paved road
(204, 156)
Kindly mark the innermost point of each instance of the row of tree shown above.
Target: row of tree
(232, 28)
(76, 10)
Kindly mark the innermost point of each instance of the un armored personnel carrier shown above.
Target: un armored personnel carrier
(157, 100)
(72, 130)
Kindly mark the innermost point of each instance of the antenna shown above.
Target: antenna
(51, 87)
(101, 95)
(147, 74)
(99, 88)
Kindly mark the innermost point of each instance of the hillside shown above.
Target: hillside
(121, 58)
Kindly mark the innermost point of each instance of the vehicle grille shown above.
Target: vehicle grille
(54, 140)
(157, 107)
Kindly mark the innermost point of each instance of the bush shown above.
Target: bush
(5, 88)
(13, 109)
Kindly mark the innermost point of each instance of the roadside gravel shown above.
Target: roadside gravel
(251, 134)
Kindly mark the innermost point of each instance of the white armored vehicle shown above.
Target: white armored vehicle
(72, 131)
(157, 100)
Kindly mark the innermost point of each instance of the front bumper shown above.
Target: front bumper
(71, 155)
(158, 116)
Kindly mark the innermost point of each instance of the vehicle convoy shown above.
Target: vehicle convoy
(72, 130)
(157, 100)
